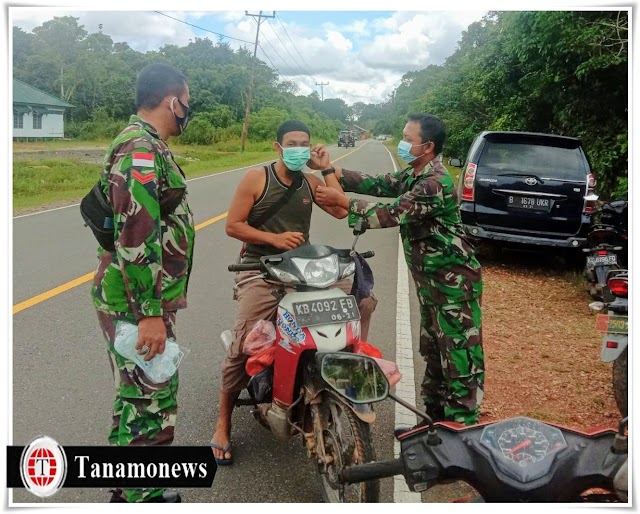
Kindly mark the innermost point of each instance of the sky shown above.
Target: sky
(362, 55)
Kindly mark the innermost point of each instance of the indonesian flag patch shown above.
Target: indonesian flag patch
(142, 160)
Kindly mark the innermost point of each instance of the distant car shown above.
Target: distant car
(530, 188)
(346, 139)
(381, 137)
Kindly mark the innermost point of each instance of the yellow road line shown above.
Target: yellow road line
(85, 278)
(53, 292)
(89, 276)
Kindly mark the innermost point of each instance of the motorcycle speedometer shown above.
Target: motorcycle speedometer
(523, 448)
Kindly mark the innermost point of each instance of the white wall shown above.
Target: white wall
(52, 126)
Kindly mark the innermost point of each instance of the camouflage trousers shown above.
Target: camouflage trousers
(144, 413)
(451, 344)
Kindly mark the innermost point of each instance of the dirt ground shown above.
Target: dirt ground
(542, 352)
(90, 154)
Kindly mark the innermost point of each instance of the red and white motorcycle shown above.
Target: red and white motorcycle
(291, 397)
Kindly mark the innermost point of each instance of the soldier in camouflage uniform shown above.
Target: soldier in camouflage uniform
(442, 262)
(144, 281)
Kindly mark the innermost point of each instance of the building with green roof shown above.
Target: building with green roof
(37, 114)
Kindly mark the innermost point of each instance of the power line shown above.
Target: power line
(279, 56)
(200, 28)
(287, 50)
(294, 45)
(245, 126)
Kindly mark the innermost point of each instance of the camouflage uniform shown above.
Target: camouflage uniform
(447, 276)
(145, 276)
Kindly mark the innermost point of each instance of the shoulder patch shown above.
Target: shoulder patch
(142, 160)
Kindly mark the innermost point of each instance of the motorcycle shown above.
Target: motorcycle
(290, 397)
(615, 325)
(606, 248)
(512, 460)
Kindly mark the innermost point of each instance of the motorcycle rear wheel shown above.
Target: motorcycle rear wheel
(620, 382)
(348, 441)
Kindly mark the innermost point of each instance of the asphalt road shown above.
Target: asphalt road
(62, 383)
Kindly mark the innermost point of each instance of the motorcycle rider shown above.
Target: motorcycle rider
(267, 230)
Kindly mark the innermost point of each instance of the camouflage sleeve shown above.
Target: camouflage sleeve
(133, 192)
(380, 185)
(425, 199)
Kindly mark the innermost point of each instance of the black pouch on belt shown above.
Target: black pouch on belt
(98, 213)
(98, 216)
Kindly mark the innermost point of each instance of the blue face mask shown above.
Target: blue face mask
(404, 151)
(295, 157)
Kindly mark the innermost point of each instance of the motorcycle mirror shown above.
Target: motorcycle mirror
(357, 378)
(359, 228)
(596, 306)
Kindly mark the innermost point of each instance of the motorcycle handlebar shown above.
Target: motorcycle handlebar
(368, 255)
(245, 267)
(372, 470)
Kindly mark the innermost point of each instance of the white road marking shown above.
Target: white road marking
(406, 388)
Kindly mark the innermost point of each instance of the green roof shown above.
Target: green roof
(25, 94)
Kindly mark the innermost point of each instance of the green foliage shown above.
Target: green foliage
(98, 78)
(562, 72)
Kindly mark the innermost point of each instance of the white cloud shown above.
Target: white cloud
(363, 60)
(144, 30)
(338, 41)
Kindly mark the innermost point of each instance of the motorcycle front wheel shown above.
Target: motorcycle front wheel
(620, 381)
(347, 440)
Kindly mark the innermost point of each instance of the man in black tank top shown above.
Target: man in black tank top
(263, 230)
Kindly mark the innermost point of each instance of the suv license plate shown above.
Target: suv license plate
(326, 311)
(602, 260)
(612, 324)
(529, 203)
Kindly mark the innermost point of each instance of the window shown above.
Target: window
(18, 120)
(37, 121)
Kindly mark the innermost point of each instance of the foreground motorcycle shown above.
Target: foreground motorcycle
(513, 460)
(615, 325)
(606, 248)
(290, 397)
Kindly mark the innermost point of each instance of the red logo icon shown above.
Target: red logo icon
(43, 466)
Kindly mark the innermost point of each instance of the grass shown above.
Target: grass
(41, 181)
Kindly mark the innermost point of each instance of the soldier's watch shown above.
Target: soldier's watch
(328, 171)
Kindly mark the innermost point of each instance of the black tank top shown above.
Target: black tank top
(295, 216)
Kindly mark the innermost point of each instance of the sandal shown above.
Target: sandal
(223, 461)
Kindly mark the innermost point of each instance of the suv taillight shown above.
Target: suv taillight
(469, 182)
(619, 287)
(590, 205)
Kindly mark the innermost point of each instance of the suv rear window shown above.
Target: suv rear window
(541, 160)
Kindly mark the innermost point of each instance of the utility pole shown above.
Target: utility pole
(245, 126)
(322, 84)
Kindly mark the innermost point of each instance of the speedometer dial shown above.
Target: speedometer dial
(523, 444)
(523, 441)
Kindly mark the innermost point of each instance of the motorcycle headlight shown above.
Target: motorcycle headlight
(349, 270)
(319, 272)
(284, 276)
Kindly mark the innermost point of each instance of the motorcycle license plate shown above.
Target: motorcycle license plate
(529, 203)
(612, 324)
(326, 311)
(602, 260)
